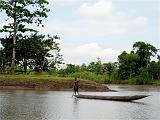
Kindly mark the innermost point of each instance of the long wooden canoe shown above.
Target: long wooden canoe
(115, 98)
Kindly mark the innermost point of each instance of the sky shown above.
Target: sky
(91, 29)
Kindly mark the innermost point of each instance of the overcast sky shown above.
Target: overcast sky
(102, 28)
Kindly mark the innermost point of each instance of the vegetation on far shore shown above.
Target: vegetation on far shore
(27, 54)
(135, 67)
(45, 76)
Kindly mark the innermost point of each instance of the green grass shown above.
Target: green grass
(157, 82)
(36, 77)
(91, 76)
(54, 76)
(81, 75)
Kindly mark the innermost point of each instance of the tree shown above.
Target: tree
(108, 68)
(127, 65)
(34, 50)
(83, 67)
(144, 51)
(37, 48)
(22, 12)
(7, 49)
(56, 61)
(2, 60)
(137, 62)
(71, 68)
(43, 48)
(96, 67)
(158, 57)
(154, 70)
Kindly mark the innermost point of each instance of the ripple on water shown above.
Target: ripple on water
(59, 105)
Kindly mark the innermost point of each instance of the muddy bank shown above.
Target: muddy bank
(8, 83)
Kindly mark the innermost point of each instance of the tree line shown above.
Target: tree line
(135, 67)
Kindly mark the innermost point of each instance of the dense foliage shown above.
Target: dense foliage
(35, 52)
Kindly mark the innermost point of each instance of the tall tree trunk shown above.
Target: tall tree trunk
(13, 54)
(25, 65)
(14, 43)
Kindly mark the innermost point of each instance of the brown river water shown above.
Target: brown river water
(60, 105)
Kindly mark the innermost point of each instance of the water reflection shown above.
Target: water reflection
(75, 112)
(139, 103)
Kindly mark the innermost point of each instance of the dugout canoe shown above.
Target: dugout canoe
(114, 98)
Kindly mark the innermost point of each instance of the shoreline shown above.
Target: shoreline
(58, 85)
(135, 84)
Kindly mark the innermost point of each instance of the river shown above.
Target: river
(60, 105)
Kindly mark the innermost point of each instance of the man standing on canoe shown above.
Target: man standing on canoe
(76, 86)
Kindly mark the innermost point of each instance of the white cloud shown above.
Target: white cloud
(102, 18)
(100, 9)
(106, 28)
(140, 21)
(83, 27)
(87, 53)
(99, 18)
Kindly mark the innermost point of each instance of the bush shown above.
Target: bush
(143, 78)
(90, 76)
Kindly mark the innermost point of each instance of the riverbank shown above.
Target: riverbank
(133, 82)
(48, 83)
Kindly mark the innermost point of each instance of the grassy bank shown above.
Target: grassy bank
(137, 82)
(157, 82)
(102, 79)
(35, 77)
(47, 82)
